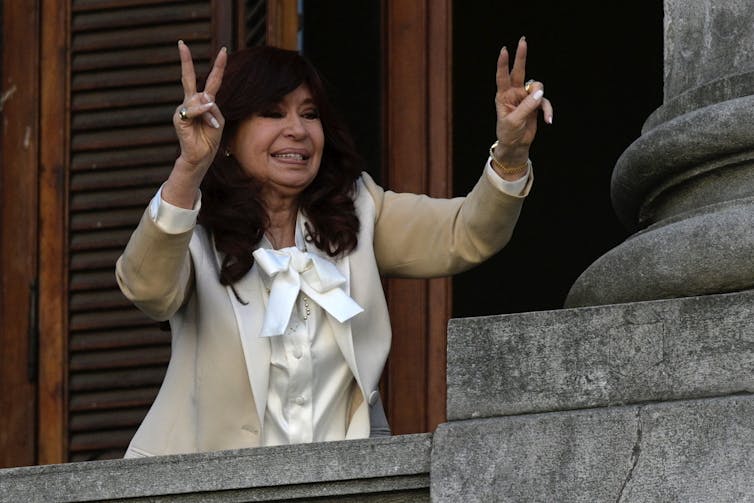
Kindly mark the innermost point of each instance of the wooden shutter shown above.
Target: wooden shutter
(254, 19)
(18, 243)
(125, 85)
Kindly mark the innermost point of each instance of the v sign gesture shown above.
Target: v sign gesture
(517, 105)
(199, 125)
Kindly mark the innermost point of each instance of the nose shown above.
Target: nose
(294, 126)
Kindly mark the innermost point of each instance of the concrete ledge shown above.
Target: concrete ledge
(391, 469)
(600, 356)
(697, 450)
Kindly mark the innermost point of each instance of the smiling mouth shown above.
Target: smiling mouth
(295, 157)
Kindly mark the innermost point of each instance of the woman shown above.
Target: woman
(280, 326)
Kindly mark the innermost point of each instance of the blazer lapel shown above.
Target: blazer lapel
(256, 350)
(341, 331)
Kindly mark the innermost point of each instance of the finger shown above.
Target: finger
(193, 111)
(215, 77)
(546, 106)
(502, 77)
(528, 105)
(188, 75)
(534, 86)
(213, 118)
(519, 64)
(547, 110)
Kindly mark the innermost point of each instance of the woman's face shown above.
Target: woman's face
(282, 147)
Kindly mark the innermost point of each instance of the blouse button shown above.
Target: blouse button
(297, 353)
(300, 400)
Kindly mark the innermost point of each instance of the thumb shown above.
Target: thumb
(529, 105)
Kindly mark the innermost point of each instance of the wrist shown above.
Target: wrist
(512, 168)
(182, 186)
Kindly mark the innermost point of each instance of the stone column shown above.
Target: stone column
(686, 185)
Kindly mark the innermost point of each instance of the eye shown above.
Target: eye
(311, 114)
(271, 114)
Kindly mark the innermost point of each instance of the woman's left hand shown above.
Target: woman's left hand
(517, 105)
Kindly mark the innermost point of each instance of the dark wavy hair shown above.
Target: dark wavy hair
(232, 209)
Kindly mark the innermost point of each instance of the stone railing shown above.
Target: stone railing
(648, 401)
(392, 469)
(639, 402)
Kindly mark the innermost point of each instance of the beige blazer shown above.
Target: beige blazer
(214, 394)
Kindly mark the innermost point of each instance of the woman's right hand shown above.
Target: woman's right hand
(199, 125)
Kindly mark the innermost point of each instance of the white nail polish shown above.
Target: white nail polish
(538, 94)
(215, 124)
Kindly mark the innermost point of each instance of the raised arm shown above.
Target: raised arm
(154, 271)
(517, 105)
(199, 125)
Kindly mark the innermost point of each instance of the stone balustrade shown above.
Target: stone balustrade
(635, 402)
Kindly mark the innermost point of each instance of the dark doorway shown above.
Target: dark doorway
(342, 39)
(601, 63)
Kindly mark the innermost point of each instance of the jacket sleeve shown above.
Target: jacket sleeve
(417, 236)
(155, 270)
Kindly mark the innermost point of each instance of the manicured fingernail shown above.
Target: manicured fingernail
(209, 104)
(538, 94)
(523, 38)
(214, 122)
(180, 42)
(549, 120)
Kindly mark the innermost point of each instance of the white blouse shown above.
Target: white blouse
(302, 405)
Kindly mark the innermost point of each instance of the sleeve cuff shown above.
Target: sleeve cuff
(172, 219)
(514, 188)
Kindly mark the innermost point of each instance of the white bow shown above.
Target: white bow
(291, 271)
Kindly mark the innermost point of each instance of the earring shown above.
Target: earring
(226, 153)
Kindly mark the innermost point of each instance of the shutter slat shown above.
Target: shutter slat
(141, 16)
(97, 259)
(95, 301)
(110, 318)
(152, 95)
(100, 440)
(89, 5)
(137, 177)
(98, 280)
(113, 359)
(124, 198)
(99, 455)
(111, 238)
(129, 77)
(154, 135)
(129, 117)
(120, 58)
(115, 399)
(123, 158)
(167, 34)
(93, 341)
(106, 219)
(93, 421)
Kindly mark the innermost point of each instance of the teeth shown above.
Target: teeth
(298, 157)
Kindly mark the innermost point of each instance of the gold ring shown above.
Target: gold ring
(183, 114)
(528, 84)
